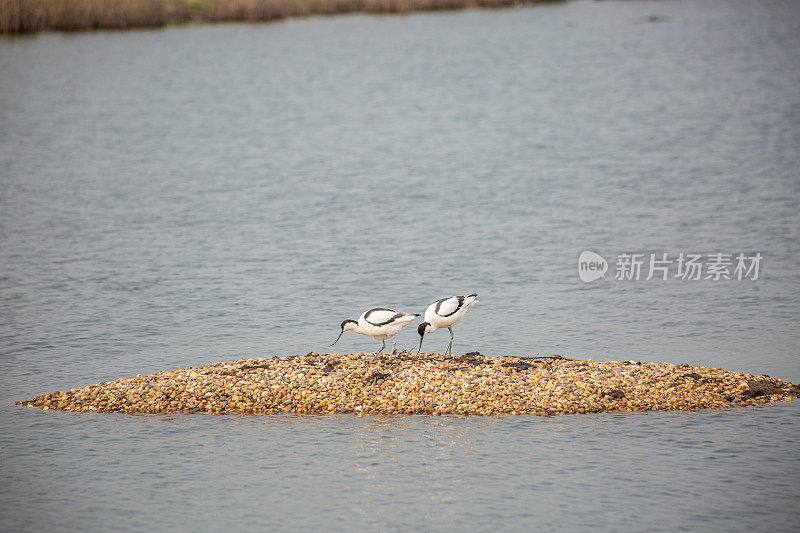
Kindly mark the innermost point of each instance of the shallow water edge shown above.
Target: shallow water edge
(30, 16)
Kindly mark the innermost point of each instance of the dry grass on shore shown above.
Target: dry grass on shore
(27, 16)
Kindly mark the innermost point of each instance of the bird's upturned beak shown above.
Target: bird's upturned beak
(337, 338)
(420, 343)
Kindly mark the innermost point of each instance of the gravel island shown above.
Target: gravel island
(428, 383)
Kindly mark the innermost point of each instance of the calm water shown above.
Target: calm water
(190, 195)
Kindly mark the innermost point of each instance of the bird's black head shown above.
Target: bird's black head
(421, 329)
(344, 328)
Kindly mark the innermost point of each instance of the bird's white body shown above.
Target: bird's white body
(378, 323)
(445, 313)
(381, 324)
(448, 311)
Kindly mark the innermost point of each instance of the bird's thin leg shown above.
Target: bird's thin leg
(394, 346)
(382, 346)
(449, 344)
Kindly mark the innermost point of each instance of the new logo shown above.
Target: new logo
(591, 266)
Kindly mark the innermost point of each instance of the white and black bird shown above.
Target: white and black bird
(378, 323)
(445, 313)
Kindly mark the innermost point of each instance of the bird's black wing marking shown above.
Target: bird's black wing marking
(454, 311)
(384, 317)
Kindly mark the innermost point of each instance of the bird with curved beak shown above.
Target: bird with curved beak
(378, 323)
(445, 313)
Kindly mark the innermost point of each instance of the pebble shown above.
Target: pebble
(423, 384)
